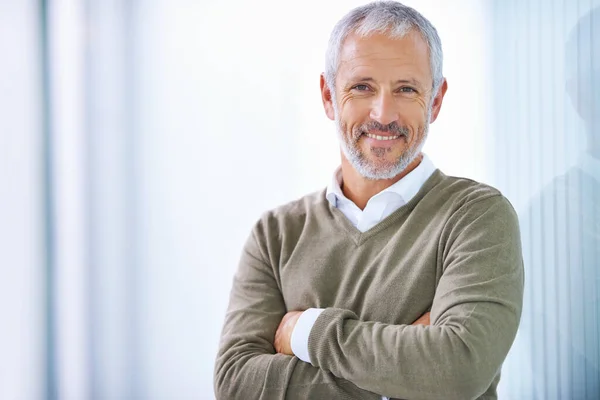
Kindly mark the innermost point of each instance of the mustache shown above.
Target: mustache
(392, 128)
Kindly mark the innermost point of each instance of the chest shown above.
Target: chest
(390, 279)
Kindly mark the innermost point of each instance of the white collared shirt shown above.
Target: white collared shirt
(377, 209)
(383, 203)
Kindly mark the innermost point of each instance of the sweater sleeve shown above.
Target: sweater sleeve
(247, 366)
(474, 318)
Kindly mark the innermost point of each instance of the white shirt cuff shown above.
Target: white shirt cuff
(299, 340)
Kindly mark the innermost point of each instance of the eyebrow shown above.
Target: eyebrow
(411, 81)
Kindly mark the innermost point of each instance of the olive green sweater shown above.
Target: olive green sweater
(454, 250)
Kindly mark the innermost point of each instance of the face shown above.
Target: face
(383, 102)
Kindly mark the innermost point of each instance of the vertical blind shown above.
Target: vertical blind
(546, 103)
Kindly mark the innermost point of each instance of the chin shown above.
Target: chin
(379, 171)
(385, 166)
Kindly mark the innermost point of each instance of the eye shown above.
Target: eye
(361, 87)
(407, 89)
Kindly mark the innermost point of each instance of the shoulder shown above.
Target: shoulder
(292, 216)
(463, 202)
(478, 216)
(461, 194)
(299, 207)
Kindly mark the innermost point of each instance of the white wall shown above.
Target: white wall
(21, 205)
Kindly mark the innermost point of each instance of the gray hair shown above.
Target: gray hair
(382, 17)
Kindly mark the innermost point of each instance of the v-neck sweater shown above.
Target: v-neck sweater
(454, 250)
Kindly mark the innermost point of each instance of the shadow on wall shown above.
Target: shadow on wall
(560, 328)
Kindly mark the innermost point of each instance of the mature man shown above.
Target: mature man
(329, 286)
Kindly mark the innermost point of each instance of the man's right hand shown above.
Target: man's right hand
(423, 320)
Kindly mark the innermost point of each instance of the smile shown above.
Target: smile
(377, 137)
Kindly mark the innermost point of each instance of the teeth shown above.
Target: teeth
(382, 137)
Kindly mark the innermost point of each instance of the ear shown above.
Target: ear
(437, 101)
(327, 100)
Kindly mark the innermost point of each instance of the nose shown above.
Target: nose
(384, 109)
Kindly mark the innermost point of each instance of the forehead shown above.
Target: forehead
(378, 54)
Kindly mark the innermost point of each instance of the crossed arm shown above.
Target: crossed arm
(283, 336)
(474, 318)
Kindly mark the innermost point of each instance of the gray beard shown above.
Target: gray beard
(370, 170)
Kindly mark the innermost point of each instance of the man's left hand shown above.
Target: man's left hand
(283, 336)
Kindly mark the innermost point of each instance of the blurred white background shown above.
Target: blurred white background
(139, 142)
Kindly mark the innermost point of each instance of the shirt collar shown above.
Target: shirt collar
(407, 187)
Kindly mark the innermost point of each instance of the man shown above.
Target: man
(329, 286)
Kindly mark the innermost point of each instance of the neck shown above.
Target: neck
(359, 189)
